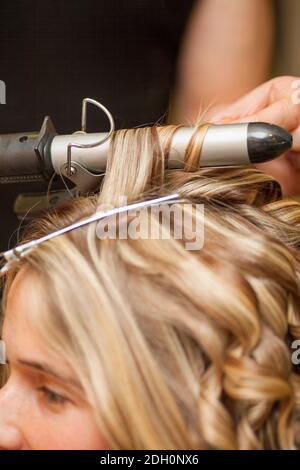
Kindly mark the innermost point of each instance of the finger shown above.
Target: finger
(275, 90)
(250, 103)
(281, 113)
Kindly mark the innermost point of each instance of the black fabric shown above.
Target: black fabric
(54, 53)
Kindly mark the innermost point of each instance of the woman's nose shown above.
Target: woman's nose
(10, 433)
(10, 438)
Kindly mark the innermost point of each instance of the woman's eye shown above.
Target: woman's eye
(52, 397)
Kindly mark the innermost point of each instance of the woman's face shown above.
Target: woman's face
(42, 406)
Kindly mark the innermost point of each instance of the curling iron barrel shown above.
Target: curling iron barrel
(37, 155)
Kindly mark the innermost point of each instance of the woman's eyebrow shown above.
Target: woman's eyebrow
(42, 367)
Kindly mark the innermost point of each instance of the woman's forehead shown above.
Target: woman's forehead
(24, 287)
(23, 301)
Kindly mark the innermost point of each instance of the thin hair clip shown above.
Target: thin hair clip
(15, 254)
(71, 145)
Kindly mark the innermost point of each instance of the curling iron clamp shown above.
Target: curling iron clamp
(81, 157)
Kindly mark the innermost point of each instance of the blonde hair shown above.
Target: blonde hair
(178, 349)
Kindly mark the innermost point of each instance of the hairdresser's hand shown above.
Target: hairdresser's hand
(278, 102)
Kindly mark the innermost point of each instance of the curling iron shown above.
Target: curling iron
(81, 157)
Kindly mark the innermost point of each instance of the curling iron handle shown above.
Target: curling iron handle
(18, 156)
